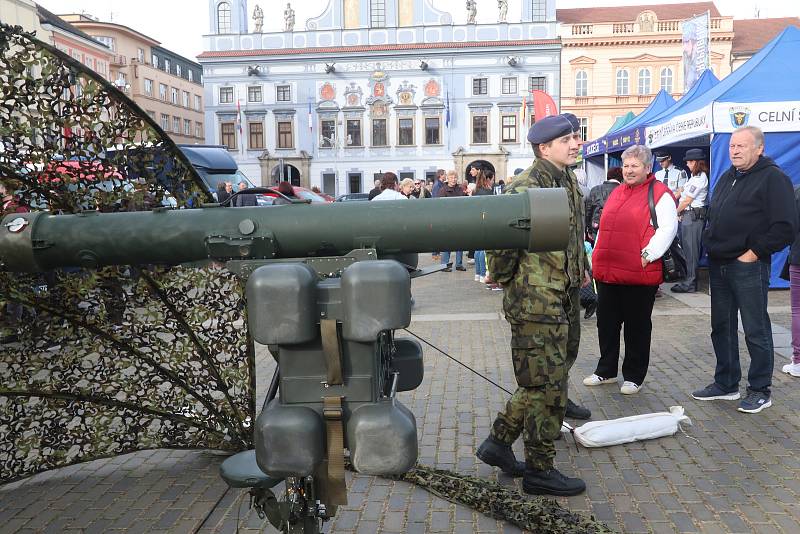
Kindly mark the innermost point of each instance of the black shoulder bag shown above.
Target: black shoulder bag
(673, 260)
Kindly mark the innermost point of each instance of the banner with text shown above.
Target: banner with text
(686, 126)
(696, 48)
(769, 116)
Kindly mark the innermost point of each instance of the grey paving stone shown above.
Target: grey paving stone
(731, 473)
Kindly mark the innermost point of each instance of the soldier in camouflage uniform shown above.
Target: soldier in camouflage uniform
(541, 302)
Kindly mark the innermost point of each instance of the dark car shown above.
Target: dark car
(352, 197)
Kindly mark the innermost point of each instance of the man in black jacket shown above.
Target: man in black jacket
(597, 199)
(751, 216)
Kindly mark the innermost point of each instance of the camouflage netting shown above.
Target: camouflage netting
(97, 363)
(105, 362)
(536, 514)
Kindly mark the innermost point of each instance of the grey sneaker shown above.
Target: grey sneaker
(714, 392)
(755, 401)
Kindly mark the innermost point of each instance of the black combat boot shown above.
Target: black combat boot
(551, 482)
(498, 454)
(577, 412)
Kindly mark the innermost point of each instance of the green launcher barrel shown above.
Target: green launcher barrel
(537, 220)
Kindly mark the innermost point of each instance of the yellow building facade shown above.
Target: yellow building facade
(614, 60)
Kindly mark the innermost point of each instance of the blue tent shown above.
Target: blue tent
(704, 83)
(622, 121)
(629, 133)
(762, 92)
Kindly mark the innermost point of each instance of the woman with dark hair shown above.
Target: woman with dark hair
(484, 185)
(389, 188)
(287, 189)
(692, 214)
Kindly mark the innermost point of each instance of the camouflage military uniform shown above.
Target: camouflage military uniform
(541, 303)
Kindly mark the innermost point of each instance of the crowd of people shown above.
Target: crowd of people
(619, 232)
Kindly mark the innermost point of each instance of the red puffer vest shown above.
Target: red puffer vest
(625, 230)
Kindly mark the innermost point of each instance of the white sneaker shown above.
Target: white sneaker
(791, 369)
(470, 261)
(629, 388)
(595, 380)
(477, 278)
(482, 279)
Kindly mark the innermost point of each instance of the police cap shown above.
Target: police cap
(553, 127)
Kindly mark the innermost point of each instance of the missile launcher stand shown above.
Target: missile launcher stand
(329, 322)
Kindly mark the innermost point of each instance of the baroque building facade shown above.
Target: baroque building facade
(375, 85)
(615, 59)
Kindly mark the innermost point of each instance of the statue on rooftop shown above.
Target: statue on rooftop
(288, 18)
(472, 11)
(258, 17)
(502, 7)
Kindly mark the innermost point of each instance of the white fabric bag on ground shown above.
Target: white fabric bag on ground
(628, 429)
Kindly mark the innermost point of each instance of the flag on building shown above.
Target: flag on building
(524, 111)
(543, 105)
(310, 121)
(447, 111)
(239, 116)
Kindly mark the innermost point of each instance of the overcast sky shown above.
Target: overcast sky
(179, 24)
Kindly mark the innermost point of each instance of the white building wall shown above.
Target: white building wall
(453, 68)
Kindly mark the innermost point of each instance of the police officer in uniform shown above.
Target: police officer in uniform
(692, 211)
(670, 175)
(541, 303)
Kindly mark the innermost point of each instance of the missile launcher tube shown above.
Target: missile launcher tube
(537, 220)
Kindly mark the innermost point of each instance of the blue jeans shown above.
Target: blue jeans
(459, 258)
(480, 262)
(741, 287)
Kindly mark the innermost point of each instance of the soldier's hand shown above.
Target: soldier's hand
(586, 279)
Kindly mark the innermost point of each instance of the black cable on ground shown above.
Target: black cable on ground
(455, 360)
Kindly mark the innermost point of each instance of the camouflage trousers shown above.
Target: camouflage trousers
(543, 354)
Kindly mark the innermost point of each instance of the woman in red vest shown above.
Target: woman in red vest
(626, 264)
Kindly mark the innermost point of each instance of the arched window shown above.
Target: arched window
(644, 81)
(223, 17)
(581, 83)
(622, 82)
(666, 79)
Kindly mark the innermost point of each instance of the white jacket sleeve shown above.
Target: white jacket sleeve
(667, 215)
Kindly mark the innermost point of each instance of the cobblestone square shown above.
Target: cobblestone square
(729, 472)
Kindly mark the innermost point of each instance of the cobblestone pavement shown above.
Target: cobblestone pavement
(729, 473)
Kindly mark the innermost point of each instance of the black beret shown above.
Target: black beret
(553, 127)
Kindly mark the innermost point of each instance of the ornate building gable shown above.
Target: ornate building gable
(406, 94)
(649, 59)
(432, 101)
(647, 21)
(582, 61)
(379, 88)
(327, 99)
(353, 14)
(353, 95)
(227, 16)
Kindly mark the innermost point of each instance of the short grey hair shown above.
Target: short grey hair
(640, 152)
(755, 131)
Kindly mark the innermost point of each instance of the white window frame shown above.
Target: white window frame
(622, 86)
(667, 79)
(581, 83)
(228, 91)
(644, 81)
